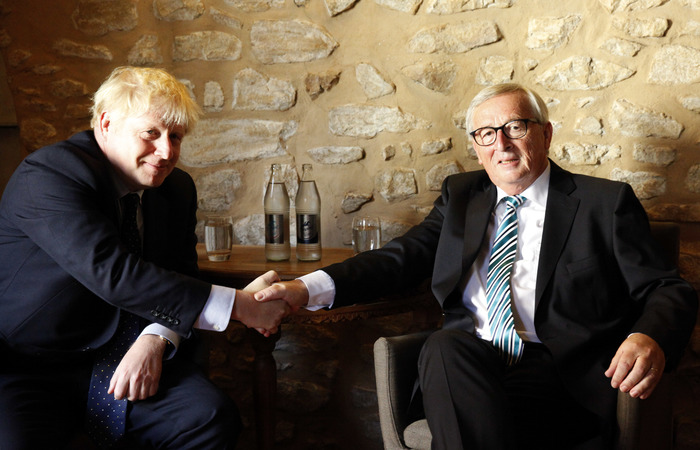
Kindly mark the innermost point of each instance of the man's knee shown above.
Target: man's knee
(225, 421)
(215, 420)
(188, 413)
(436, 353)
(444, 338)
(444, 345)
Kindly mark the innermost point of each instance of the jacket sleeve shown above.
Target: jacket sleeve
(668, 304)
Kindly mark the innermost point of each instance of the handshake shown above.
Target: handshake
(267, 300)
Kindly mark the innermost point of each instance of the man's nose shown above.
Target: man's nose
(164, 148)
(502, 141)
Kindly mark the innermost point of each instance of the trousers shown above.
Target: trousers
(42, 405)
(473, 400)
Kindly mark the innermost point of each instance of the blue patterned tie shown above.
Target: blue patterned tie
(105, 416)
(505, 338)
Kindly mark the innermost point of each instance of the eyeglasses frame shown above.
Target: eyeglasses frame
(502, 128)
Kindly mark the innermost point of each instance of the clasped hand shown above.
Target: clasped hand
(265, 317)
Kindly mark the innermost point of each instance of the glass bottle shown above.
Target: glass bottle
(308, 212)
(276, 205)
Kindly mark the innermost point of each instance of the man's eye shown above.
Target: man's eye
(485, 134)
(515, 127)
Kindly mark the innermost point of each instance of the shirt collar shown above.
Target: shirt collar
(536, 192)
(121, 188)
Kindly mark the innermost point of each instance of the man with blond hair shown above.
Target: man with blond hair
(98, 284)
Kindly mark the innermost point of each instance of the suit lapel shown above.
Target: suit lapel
(465, 230)
(559, 217)
(477, 215)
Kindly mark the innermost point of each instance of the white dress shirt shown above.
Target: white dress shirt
(524, 274)
(523, 279)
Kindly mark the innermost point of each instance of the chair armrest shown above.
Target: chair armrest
(646, 424)
(396, 370)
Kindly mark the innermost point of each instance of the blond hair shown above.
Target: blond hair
(538, 106)
(134, 91)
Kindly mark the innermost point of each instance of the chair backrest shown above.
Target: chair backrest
(667, 235)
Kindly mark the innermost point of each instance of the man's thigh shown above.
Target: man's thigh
(187, 412)
(545, 414)
(41, 406)
(461, 378)
(482, 401)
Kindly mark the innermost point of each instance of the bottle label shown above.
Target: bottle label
(274, 228)
(307, 228)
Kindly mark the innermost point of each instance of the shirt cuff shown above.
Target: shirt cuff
(321, 289)
(216, 314)
(165, 333)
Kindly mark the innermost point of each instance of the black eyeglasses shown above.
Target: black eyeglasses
(515, 129)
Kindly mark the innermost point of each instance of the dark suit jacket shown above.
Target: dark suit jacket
(65, 276)
(600, 276)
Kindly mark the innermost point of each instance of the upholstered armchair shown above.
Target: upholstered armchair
(643, 424)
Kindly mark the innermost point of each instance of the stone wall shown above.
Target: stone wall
(373, 93)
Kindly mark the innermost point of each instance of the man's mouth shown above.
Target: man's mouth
(162, 166)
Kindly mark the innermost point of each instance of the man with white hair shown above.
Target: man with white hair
(553, 291)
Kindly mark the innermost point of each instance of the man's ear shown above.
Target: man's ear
(104, 123)
(548, 133)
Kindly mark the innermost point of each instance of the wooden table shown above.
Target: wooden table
(246, 264)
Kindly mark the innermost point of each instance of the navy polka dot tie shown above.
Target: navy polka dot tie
(105, 416)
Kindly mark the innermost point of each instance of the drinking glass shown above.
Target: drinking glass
(366, 233)
(218, 237)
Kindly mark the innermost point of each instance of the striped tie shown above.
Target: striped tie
(505, 338)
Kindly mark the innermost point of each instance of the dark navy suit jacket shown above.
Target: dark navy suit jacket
(600, 277)
(64, 274)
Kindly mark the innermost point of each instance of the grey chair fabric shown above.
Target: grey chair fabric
(643, 424)
(396, 369)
